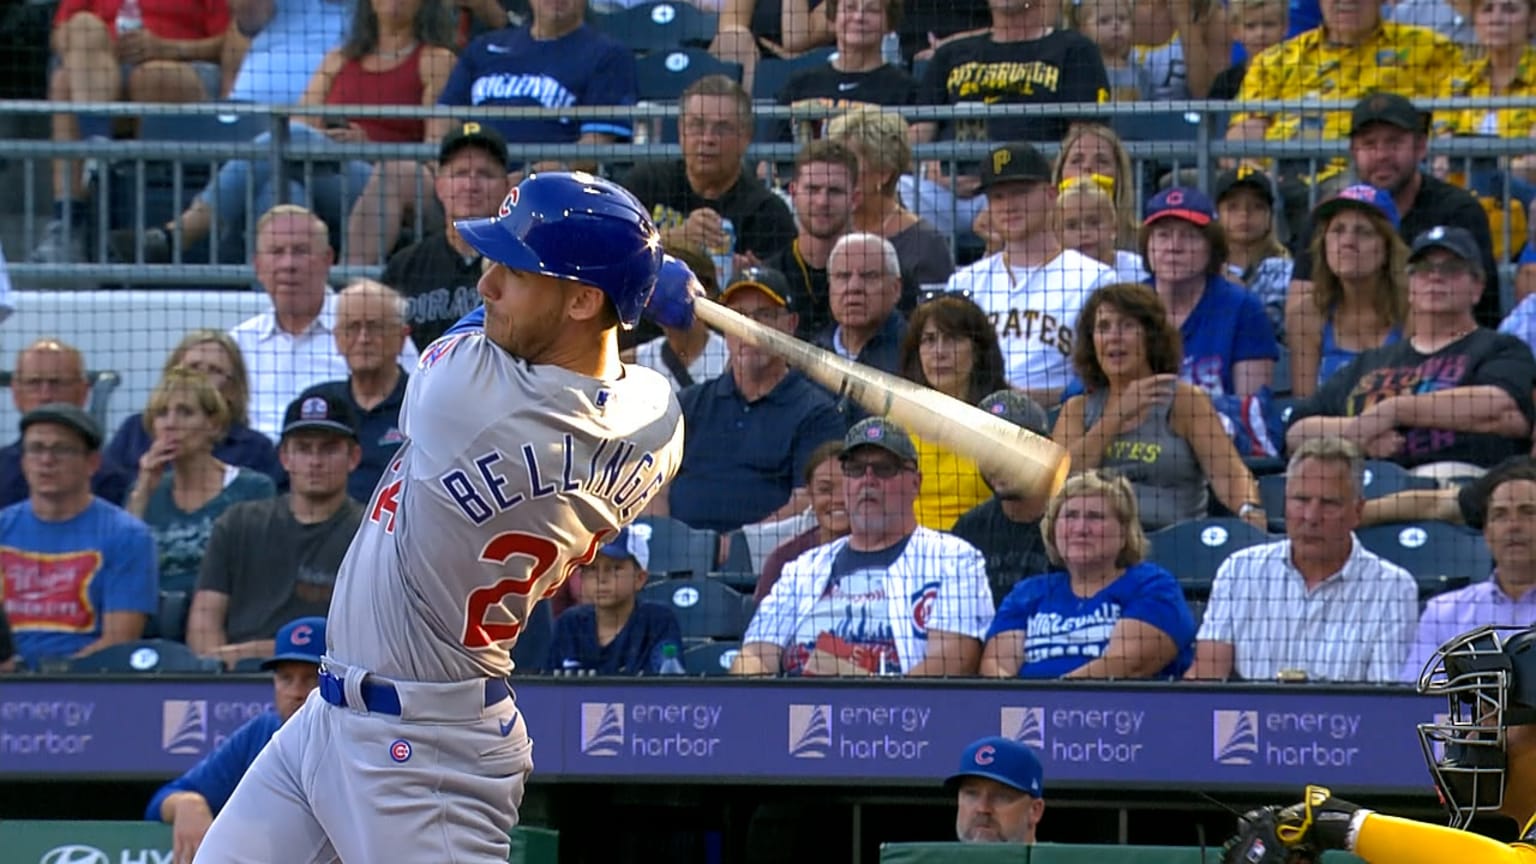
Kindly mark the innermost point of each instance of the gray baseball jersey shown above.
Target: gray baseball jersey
(511, 477)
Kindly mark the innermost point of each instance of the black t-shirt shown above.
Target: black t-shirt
(1228, 84)
(1481, 359)
(921, 22)
(1013, 550)
(438, 284)
(1438, 203)
(808, 290)
(762, 220)
(825, 85)
(1063, 66)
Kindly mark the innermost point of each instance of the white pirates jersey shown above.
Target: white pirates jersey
(511, 477)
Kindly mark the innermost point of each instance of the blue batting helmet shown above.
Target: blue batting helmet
(572, 225)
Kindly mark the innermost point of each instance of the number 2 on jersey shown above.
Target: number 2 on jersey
(544, 553)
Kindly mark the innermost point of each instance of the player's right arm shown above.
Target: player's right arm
(1390, 840)
(188, 803)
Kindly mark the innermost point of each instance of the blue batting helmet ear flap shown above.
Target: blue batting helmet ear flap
(572, 225)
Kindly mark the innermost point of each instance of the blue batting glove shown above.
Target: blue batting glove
(671, 303)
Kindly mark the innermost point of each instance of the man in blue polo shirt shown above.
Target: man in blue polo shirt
(752, 429)
(998, 792)
(370, 331)
(189, 802)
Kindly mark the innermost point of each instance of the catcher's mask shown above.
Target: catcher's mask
(1488, 677)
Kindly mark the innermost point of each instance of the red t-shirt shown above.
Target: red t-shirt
(168, 19)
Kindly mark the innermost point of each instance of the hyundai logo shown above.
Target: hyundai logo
(75, 855)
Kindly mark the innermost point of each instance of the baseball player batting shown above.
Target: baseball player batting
(528, 446)
(1482, 755)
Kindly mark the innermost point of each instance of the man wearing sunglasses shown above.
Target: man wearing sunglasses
(891, 598)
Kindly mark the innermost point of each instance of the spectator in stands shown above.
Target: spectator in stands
(51, 371)
(172, 56)
(78, 573)
(952, 348)
(1388, 141)
(439, 273)
(555, 61)
(1109, 613)
(825, 192)
(274, 560)
(1087, 222)
(214, 355)
(1024, 58)
(181, 487)
(751, 29)
(892, 598)
(1358, 296)
(399, 57)
(829, 504)
(1336, 61)
(856, 74)
(370, 333)
(692, 197)
(1506, 598)
(865, 280)
(1462, 503)
(1452, 399)
(612, 632)
(1032, 289)
(1229, 347)
(999, 794)
(1504, 65)
(1006, 527)
(879, 139)
(1094, 151)
(292, 347)
(687, 357)
(1250, 210)
(189, 803)
(752, 430)
(274, 48)
(1317, 603)
(1257, 25)
(1108, 24)
(1140, 421)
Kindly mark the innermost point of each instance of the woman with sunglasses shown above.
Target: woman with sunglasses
(1450, 400)
(1107, 613)
(1138, 419)
(951, 347)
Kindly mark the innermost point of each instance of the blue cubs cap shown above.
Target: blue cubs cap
(1180, 202)
(634, 541)
(1362, 197)
(302, 639)
(1002, 759)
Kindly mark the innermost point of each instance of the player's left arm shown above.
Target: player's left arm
(1385, 839)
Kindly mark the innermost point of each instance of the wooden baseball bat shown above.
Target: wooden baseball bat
(1033, 465)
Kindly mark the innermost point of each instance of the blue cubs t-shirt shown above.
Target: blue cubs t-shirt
(1064, 631)
(852, 618)
(1225, 328)
(60, 578)
(509, 67)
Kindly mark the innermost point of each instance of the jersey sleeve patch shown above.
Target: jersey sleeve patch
(438, 350)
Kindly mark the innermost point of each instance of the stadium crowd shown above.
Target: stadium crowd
(1249, 387)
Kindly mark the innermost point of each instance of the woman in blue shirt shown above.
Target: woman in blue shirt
(1109, 614)
(1229, 345)
(1359, 294)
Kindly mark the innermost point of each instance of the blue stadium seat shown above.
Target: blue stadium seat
(658, 26)
(249, 665)
(677, 549)
(1386, 478)
(704, 608)
(1272, 496)
(144, 656)
(171, 621)
(774, 72)
(1442, 557)
(711, 659)
(1282, 379)
(1193, 551)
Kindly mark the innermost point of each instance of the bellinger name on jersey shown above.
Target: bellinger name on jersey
(614, 472)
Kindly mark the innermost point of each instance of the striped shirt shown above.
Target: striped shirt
(1356, 625)
(1455, 612)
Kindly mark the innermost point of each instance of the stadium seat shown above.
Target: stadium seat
(249, 665)
(171, 621)
(98, 402)
(1282, 377)
(1441, 556)
(773, 72)
(704, 608)
(1193, 551)
(1272, 496)
(664, 75)
(658, 26)
(711, 659)
(1386, 478)
(143, 657)
(677, 549)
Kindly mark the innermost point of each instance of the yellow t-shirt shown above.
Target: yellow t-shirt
(1401, 58)
(1473, 80)
(952, 484)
